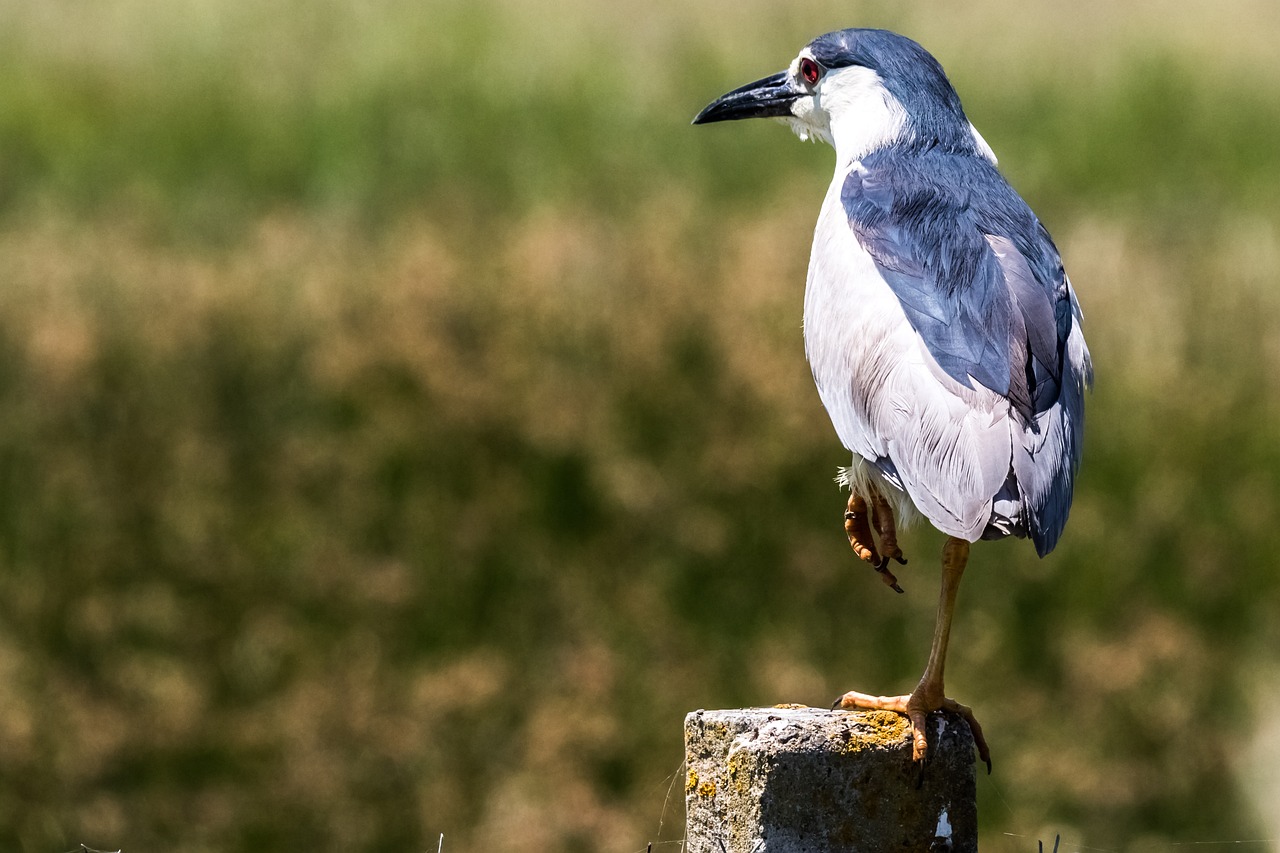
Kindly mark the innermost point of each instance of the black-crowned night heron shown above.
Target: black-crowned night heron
(942, 330)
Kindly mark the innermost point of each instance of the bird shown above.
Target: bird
(944, 336)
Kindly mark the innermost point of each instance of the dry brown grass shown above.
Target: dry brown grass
(329, 540)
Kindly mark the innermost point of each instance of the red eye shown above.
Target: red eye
(810, 70)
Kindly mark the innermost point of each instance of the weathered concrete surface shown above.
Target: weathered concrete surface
(808, 780)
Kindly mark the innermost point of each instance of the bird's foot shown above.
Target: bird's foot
(857, 526)
(917, 707)
(887, 529)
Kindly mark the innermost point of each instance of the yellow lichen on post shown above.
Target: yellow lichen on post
(878, 730)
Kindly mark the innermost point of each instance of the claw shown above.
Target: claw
(887, 576)
(979, 741)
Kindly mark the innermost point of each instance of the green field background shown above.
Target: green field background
(404, 423)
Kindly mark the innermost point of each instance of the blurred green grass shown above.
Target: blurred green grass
(348, 111)
(403, 422)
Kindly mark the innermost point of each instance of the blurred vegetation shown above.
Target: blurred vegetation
(404, 422)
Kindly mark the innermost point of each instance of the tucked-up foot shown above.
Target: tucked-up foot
(917, 711)
(857, 526)
(887, 529)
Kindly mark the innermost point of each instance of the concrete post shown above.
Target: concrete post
(807, 780)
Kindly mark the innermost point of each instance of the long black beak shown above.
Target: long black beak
(768, 98)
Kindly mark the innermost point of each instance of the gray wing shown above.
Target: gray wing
(982, 285)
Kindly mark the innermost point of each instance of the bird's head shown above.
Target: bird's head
(858, 90)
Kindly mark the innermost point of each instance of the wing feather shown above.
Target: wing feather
(966, 386)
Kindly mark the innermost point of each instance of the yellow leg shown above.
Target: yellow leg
(928, 695)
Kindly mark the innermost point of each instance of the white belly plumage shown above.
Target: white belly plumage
(951, 445)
